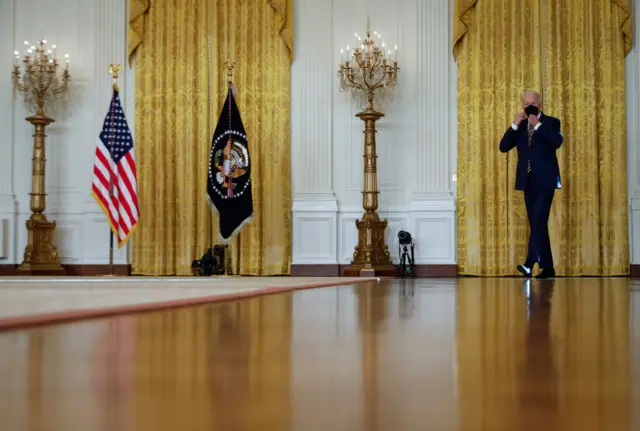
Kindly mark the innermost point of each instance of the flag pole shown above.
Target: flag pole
(230, 65)
(114, 69)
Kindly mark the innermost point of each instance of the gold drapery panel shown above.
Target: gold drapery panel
(180, 87)
(463, 10)
(494, 66)
(137, 11)
(499, 56)
(584, 86)
(461, 16)
(548, 359)
(138, 8)
(624, 23)
(172, 132)
(284, 8)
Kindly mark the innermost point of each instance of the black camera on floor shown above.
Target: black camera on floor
(406, 254)
(211, 263)
(404, 238)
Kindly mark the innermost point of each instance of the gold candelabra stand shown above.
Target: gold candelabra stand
(38, 76)
(369, 71)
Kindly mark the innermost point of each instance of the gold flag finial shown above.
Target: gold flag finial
(230, 65)
(114, 69)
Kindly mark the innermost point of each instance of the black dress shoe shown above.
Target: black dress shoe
(525, 269)
(547, 273)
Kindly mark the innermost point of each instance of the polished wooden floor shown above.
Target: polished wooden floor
(467, 355)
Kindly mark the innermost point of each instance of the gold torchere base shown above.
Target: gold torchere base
(371, 256)
(40, 255)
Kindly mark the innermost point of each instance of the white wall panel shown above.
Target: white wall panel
(633, 138)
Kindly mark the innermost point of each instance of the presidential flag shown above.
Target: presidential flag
(114, 173)
(229, 180)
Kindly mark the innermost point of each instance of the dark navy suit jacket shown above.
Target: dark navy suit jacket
(542, 153)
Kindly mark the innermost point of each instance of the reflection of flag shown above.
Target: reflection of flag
(229, 180)
(114, 173)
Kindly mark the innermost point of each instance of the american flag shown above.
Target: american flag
(114, 173)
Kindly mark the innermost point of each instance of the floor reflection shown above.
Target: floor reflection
(538, 383)
(467, 354)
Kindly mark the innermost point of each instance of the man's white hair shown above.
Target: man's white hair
(526, 93)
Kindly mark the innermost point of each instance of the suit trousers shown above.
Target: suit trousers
(538, 201)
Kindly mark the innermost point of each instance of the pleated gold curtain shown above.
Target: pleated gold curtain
(498, 57)
(584, 85)
(180, 49)
(572, 52)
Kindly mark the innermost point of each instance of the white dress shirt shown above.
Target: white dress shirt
(536, 127)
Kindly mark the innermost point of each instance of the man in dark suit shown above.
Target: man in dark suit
(537, 137)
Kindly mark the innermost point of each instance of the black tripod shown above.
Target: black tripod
(406, 266)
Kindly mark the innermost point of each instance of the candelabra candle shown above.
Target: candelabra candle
(369, 69)
(38, 75)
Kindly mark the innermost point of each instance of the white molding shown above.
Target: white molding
(435, 235)
(7, 46)
(433, 118)
(632, 63)
(443, 203)
(7, 138)
(8, 203)
(306, 206)
(311, 113)
(316, 238)
(314, 208)
(5, 238)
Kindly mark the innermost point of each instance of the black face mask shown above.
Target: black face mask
(531, 110)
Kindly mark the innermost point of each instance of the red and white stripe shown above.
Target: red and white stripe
(121, 208)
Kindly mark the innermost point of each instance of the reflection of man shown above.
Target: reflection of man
(538, 379)
(537, 137)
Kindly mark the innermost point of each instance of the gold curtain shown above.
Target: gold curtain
(584, 86)
(180, 48)
(137, 14)
(572, 51)
(498, 57)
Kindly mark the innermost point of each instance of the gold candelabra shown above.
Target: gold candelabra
(369, 71)
(38, 76)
